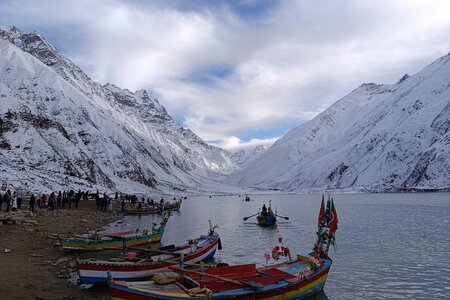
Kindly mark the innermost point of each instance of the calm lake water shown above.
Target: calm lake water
(389, 246)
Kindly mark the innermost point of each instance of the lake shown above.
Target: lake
(389, 246)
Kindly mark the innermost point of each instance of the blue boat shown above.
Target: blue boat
(267, 218)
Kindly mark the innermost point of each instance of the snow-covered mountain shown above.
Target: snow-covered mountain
(59, 128)
(380, 137)
(246, 155)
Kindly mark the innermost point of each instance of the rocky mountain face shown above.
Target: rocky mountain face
(380, 137)
(60, 129)
(248, 154)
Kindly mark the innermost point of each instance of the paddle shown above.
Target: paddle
(286, 218)
(246, 218)
(177, 262)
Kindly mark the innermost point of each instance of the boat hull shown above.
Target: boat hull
(266, 221)
(117, 242)
(299, 288)
(173, 207)
(96, 271)
(141, 211)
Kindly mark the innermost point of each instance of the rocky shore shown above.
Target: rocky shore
(31, 266)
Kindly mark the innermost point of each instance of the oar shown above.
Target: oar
(246, 218)
(177, 262)
(286, 218)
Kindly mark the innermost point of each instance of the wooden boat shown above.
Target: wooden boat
(266, 220)
(95, 271)
(111, 240)
(295, 279)
(145, 210)
(174, 206)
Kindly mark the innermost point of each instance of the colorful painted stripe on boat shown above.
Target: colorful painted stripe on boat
(108, 242)
(289, 289)
(92, 272)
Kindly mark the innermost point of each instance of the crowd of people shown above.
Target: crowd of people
(12, 200)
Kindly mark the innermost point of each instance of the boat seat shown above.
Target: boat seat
(168, 247)
(233, 270)
(278, 272)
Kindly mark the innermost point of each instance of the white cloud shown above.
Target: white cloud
(234, 143)
(284, 66)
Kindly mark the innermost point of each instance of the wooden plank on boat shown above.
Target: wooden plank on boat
(241, 283)
(145, 250)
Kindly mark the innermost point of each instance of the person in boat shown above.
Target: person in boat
(264, 210)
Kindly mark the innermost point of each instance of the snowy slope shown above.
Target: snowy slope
(246, 155)
(377, 138)
(60, 128)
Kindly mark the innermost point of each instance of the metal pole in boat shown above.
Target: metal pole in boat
(182, 263)
(123, 246)
(202, 271)
(182, 260)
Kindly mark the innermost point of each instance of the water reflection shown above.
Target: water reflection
(319, 296)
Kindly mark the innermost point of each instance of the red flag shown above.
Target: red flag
(333, 218)
(328, 212)
(322, 212)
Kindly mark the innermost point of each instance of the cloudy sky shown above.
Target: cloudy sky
(241, 72)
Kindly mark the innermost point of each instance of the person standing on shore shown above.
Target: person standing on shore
(14, 201)
(19, 193)
(110, 205)
(51, 201)
(58, 200)
(104, 202)
(97, 200)
(43, 200)
(77, 198)
(7, 199)
(32, 202)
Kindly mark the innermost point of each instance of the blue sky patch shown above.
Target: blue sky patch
(209, 75)
(275, 131)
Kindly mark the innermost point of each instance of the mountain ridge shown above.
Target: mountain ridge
(120, 137)
(377, 138)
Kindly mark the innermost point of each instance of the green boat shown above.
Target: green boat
(113, 240)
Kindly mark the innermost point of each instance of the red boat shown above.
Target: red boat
(291, 280)
(133, 269)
